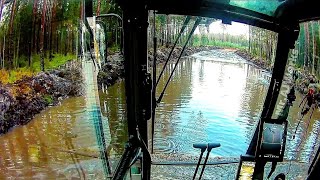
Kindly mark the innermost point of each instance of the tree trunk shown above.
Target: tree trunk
(3, 50)
(10, 47)
(313, 48)
(17, 50)
(32, 44)
(249, 46)
(162, 35)
(43, 23)
(66, 44)
(37, 38)
(1, 7)
(50, 41)
(168, 31)
(61, 44)
(98, 7)
(57, 42)
(306, 47)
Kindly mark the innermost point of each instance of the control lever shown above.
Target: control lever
(203, 148)
(210, 147)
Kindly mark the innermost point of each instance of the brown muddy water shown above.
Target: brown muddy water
(215, 96)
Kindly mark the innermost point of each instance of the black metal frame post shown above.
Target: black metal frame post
(314, 169)
(154, 79)
(88, 8)
(283, 47)
(286, 40)
(135, 23)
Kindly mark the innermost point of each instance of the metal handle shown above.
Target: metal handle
(201, 146)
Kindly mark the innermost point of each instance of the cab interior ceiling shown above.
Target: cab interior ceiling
(287, 15)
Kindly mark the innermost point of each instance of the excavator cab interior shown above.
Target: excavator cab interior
(145, 89)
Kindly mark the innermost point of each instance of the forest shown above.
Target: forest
(39, 35)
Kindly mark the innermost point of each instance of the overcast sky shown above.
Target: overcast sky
(234, 29)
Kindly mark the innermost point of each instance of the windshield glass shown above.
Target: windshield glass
(58, 119)
(216, 94)
(267, 7)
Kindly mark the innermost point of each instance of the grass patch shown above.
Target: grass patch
(114, 48)
(4, 76)
(57, 60)
(48, 99)
(14, 75)
(19, 73)
(223, 44)
(227, 45)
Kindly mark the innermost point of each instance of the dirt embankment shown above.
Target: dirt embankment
(257, 61)
(113, 70)
(19, 102)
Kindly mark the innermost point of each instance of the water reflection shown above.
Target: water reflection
(112, 103)
(45, 146)
(216, 100)
(210, 101)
